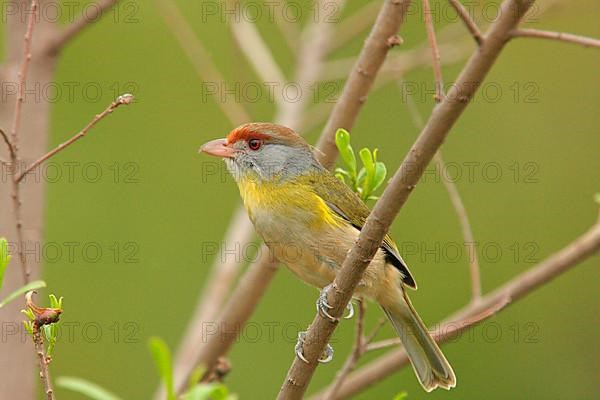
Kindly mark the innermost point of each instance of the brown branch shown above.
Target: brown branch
(65, 35)
(14, 143)
(395, 195)
(123, 99)
(9, 145)
(43, 316)
(459, 208)
(448, 329)
(43, 362)
(435, 53)
(383, 36)
(515, 289)
(469, 22)
(561, 36)
(358, 350)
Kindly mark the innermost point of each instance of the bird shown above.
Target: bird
(310, 220)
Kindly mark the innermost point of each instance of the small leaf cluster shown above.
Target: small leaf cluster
(369, 178)
(48, 329)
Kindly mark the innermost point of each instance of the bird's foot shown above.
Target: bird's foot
(325, 357)
(323, 307)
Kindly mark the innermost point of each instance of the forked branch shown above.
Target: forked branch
(573, 254)
(398, 191)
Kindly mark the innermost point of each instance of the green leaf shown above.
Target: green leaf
(22, 290)
(342, 142)
(162, 359)
(28, 326)
(367, 159)
(50, 333)
(211, 391)
(401, 396)
(379, 176)
(54, 302)
(4, 259)
(596, 199)
(85, 387)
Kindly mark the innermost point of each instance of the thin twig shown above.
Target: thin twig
(358, 350)
(382, 38)
(469, 22)
(43, 316)
(11, 150)
(457, 203)
(74, 28)
(43, 362)
(448, 328)
(573, 254)
(121, 100)
(396, 194)
(435, 52)
(560, 36)
(14, 143)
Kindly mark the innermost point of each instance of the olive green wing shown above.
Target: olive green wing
(346, 204)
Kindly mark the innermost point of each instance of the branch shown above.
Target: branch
(43, 316)
(72, 30)
(359, 348)
(123, 99)
(469, 22)
(435, 52)
(11, 149)
(14, 142)
(383, 36)
(561, 36)
(395, 195)
(459, 208)
(571, 255)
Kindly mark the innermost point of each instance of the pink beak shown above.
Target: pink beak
(217, 148)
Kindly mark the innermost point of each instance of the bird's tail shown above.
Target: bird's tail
(430, 365)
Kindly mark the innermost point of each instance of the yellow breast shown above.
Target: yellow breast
(287, 200)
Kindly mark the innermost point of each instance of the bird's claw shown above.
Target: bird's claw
(323, 306)
(350, 308)
(298, 347)
(326, 357)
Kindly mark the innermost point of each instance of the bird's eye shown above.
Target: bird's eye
(254, 144)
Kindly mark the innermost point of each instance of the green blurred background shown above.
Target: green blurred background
(161, 210)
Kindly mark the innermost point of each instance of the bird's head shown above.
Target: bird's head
(263, 150)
